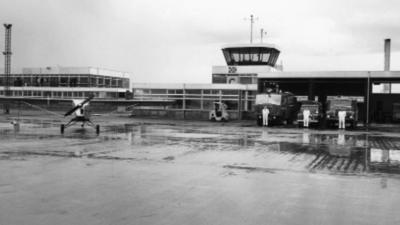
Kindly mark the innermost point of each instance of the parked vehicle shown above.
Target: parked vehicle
(282, 107)
(219, 113)
(342, 104)
(316, 114)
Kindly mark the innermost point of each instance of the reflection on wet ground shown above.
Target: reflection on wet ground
(341, 152)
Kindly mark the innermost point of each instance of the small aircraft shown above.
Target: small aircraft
(82, 114)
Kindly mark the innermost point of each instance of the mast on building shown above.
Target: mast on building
(7, 65)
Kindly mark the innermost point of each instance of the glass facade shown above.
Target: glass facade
(199, 99)
(51, 93)
(65, 80)
(251, 56)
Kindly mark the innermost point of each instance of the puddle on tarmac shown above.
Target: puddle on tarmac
(317, 151)
(330, 152)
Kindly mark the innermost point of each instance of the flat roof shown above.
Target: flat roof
(194, 86)
(66, 89)
(331, 74)
(251, 45)
(69, 70)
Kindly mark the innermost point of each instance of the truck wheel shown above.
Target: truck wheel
(97, 129)
(353, 125)
(259, 122)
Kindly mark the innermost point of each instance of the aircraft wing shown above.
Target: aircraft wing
(121, 102)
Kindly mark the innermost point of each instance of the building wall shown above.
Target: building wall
(195, 100)
(68, 77)
(65, 80)
(181, 114)
(65, 92)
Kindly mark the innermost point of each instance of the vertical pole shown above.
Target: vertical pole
(387, 55)
(262, 35)
(251, 28)
(368, 93)
(7, 63)
(246, 103)
(387, 86)
(240, 105)
(367, 153)
(184, 101)
(202, 100)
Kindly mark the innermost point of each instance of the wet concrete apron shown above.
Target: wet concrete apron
(197, 173)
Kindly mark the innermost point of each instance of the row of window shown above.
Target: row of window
(386, 88)
(139, 92)
(226, 79)
(59, 94)
(66, 81)
(250, 56)
(200, 99)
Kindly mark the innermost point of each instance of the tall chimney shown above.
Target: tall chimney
(387, 55)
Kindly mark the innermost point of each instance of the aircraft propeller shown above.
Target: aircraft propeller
(80, 105)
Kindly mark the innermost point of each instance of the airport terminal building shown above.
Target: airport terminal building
(66, 83)
(234, 84)
(252, 67)
(249, 69)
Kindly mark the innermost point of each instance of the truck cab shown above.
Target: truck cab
(315, 109)
(342, 104)
(282, 107)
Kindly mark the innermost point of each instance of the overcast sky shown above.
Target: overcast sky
(180, 40)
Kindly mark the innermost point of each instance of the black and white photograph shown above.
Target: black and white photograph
(228, 112)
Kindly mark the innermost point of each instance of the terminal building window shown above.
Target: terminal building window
(229, 92)
(158, 91)
(381, 88)
(395, 88)
(54, 82)
(231, 105)
(114, 83)
(193, 92)
(246, 80)
(107, 82)
(209, 104)
(219, 79)
(193, 104)
(93, 81)
(27, 81)
(83, 81)
(100, 82)
(64, 81)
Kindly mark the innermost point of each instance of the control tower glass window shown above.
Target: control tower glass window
(265, 57)
(251, 55)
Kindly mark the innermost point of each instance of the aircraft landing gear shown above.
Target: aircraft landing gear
(72, 122)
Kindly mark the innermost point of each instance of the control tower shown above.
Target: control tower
(245, 62)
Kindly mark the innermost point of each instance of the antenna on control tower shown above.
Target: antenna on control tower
(262, 34)
(252, 19)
